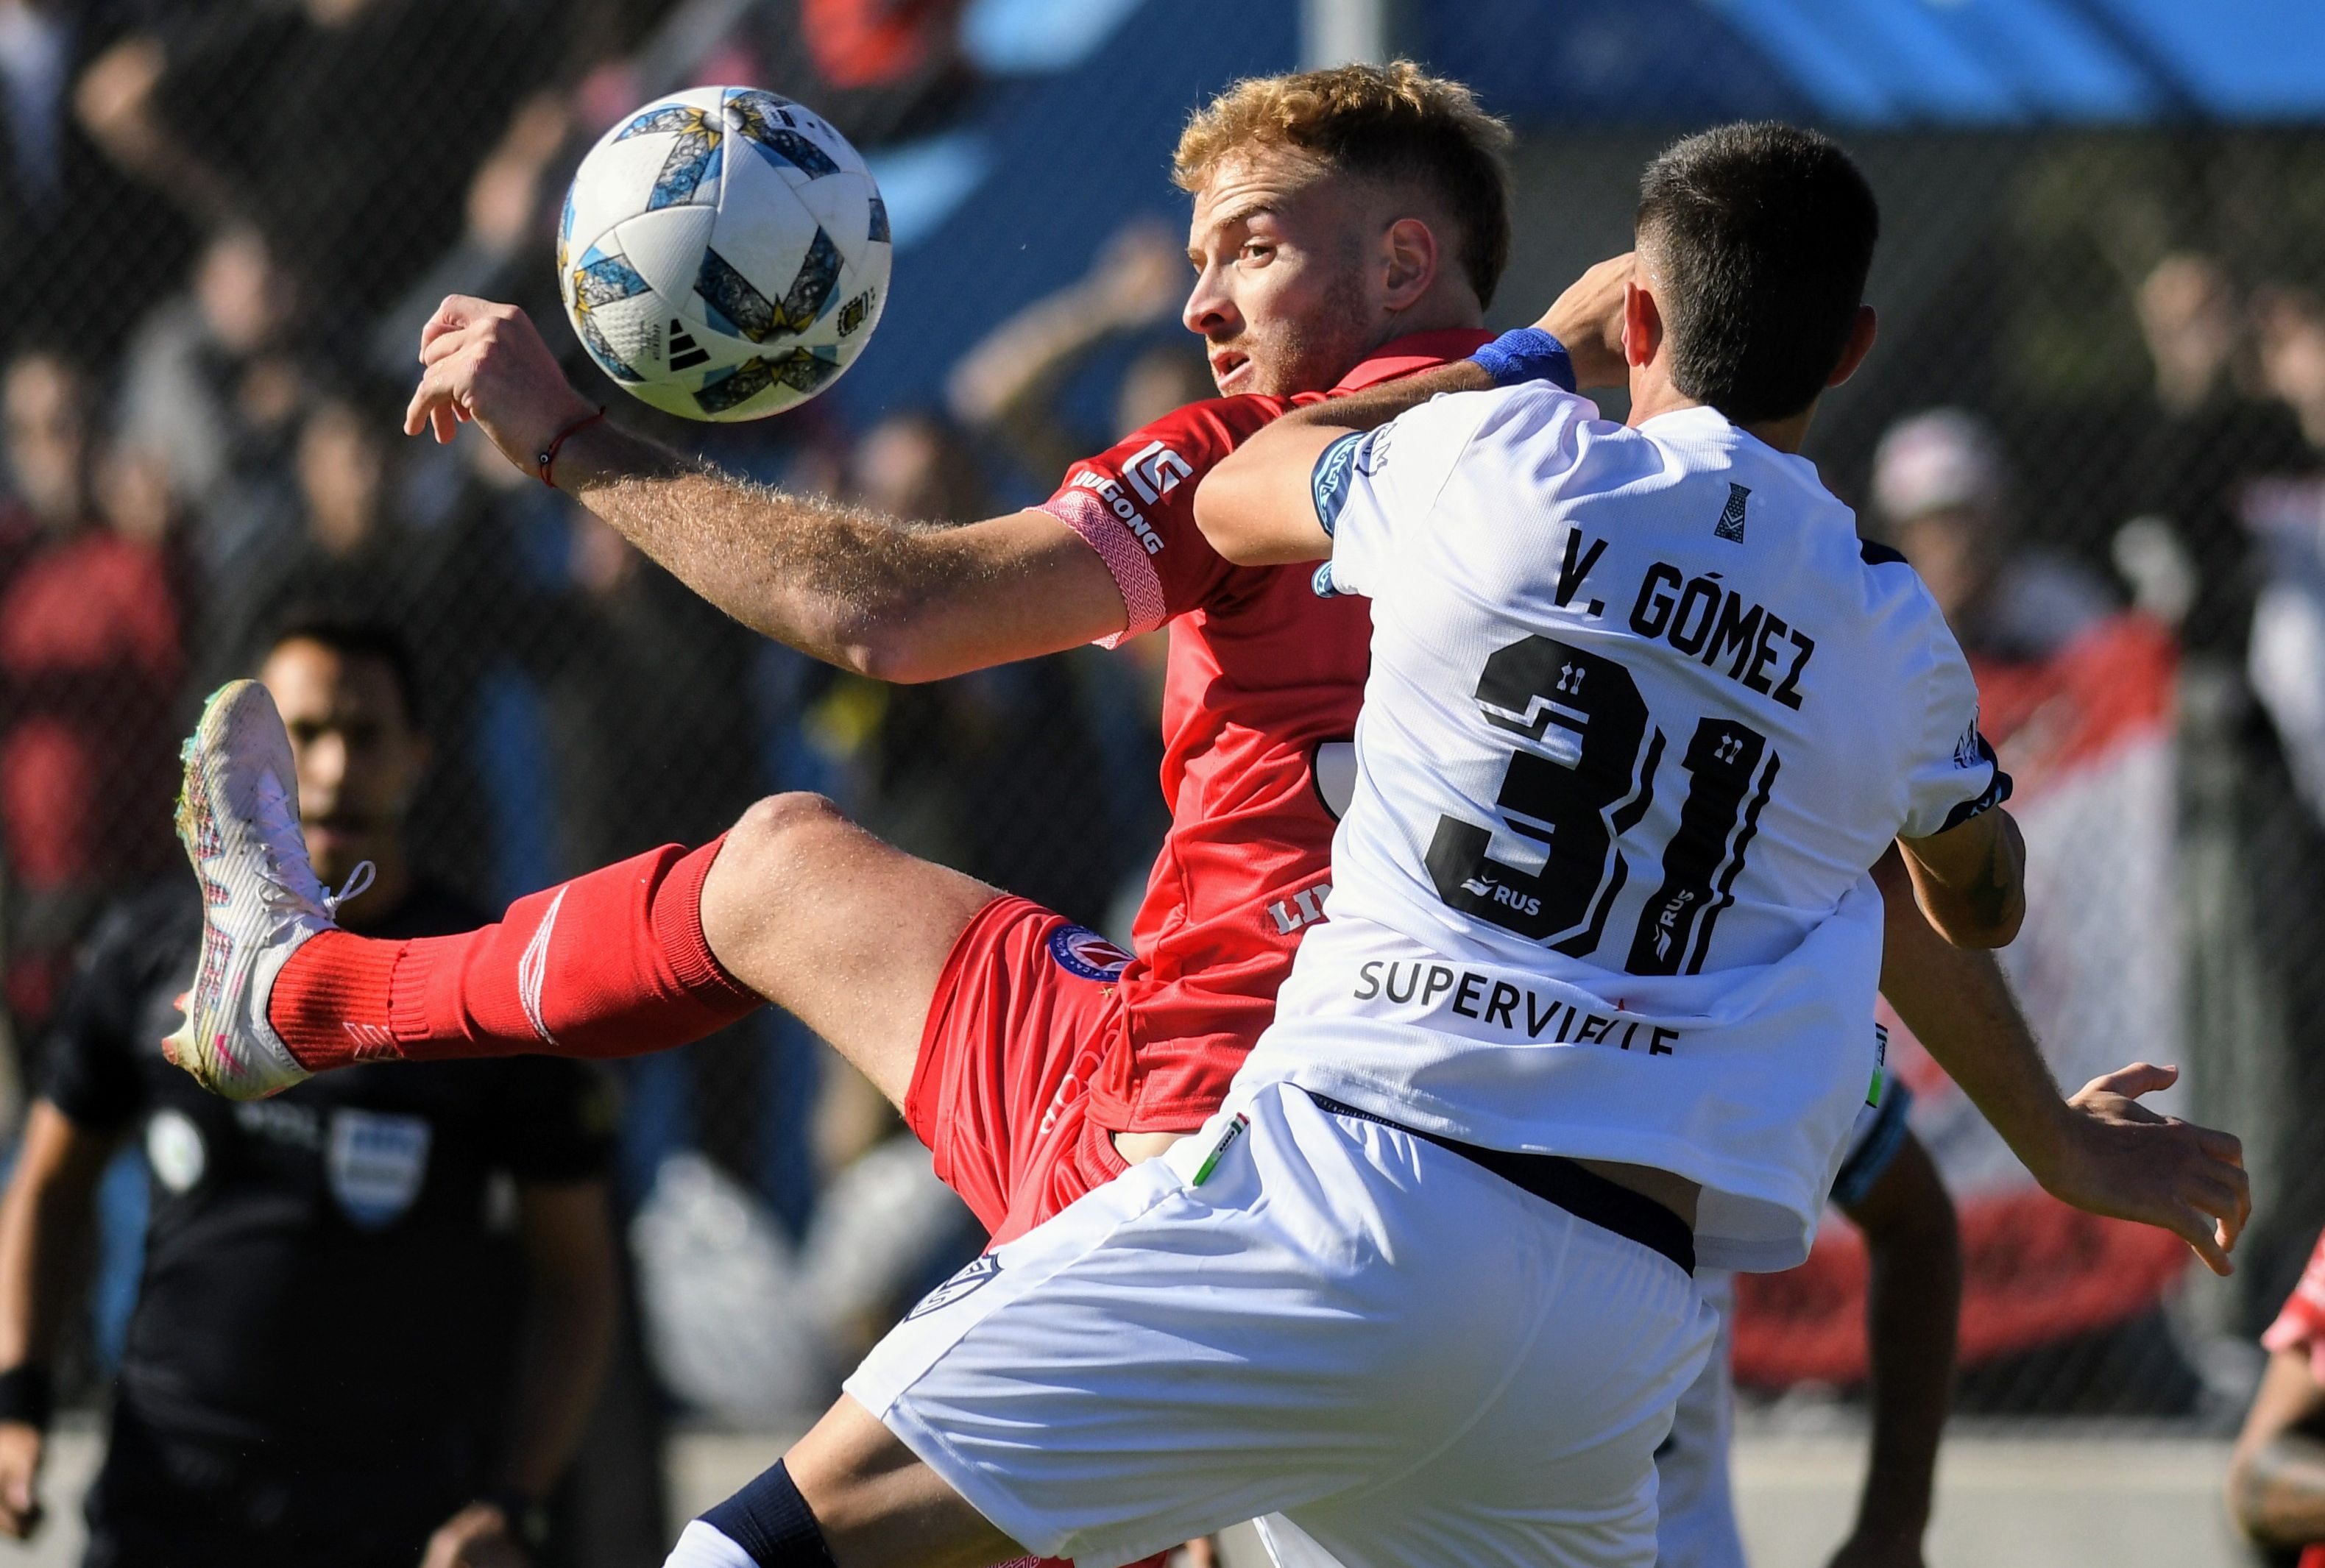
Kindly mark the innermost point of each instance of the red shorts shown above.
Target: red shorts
(1024, 1013)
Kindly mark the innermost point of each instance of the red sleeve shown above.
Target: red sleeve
(2301, 1326)
(1135, 504)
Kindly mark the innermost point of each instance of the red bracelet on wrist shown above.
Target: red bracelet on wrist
(546, 458)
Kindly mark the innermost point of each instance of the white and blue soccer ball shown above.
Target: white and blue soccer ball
(723, 253)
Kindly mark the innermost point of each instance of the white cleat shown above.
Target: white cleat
(238, 818)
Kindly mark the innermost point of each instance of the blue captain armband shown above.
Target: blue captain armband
(1334, 476)
(1527, 354)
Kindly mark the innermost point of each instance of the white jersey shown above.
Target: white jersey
(1641, 712)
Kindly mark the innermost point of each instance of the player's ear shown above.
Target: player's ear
(1409, 251)
(1861, 344)
(1643, 326)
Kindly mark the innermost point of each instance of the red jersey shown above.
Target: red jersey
(1262, 674)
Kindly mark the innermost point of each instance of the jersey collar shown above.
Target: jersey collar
(1705, 422)
(1415, 351)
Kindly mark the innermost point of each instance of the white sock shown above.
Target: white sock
(703, 1546)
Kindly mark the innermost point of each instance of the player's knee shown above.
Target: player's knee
(780, 829)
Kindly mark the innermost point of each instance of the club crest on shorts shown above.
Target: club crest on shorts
(1082, 952)
(980, 1273)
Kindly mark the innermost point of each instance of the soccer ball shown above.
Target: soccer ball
(723, 253)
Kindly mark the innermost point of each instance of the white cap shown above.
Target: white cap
(1935, 460)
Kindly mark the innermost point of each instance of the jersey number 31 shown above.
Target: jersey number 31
(1579, 810)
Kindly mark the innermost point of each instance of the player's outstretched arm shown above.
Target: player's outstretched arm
(1912, 1311)
(869, 593)
(2099, 1151)
(2276, 1476)
(1257, 507)
(1971, 879)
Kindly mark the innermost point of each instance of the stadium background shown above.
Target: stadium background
(221, 224)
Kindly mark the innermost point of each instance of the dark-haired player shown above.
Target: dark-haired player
(319, 1365)
(1319, 203)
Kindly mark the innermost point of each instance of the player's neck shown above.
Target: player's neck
(1653, 395)
(1786, 435)
(1439, 311)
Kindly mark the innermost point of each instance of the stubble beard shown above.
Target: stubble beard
(1313, 350)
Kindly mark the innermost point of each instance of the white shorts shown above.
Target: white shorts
(1411, 1359)
(1697, 1501)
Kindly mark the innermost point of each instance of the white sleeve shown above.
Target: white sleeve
(1953, 775)
(1370, 484)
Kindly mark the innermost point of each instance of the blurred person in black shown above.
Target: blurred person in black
(459, 1213)
(2285, 512)
(2290, 324)
(79, 243)
(2209, 434)
(345, 127)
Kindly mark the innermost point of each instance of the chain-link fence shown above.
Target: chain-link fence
(222, 223)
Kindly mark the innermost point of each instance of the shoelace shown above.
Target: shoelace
(290, 883)
(358, 880)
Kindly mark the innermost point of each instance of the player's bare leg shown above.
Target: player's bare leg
(848, 934)
(849, 1495)
(875, 1504)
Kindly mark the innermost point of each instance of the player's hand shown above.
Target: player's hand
(478, 1536)
(2115, 1157)
(1863, 1551)
(1588, 319)
(488, 362)
(21, 1449)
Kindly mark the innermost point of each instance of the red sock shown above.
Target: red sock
(613, 964)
